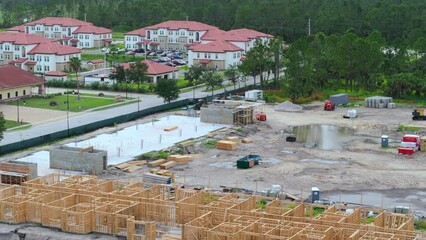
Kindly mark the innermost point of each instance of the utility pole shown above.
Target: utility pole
(309, 26)
(17, 109)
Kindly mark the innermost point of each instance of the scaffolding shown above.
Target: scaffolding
(85, 204)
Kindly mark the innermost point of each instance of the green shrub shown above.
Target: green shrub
(420, 224)
(94, 85)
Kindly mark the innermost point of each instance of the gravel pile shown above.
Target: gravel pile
(288, 107)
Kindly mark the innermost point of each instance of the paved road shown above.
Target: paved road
(60, 123)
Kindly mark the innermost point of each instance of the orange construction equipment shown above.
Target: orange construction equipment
(261, 116)
(328, 105)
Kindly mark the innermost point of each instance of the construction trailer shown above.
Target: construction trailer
(84, 204)
(230, 112)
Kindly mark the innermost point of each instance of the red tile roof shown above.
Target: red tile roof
(54, 48)
(30, 63)
(205, 61)
(249, 33)
(189, 25)
(92, 29)
(63, 21)
(95, 61)
(218, 46)
(154, 68)
(13, 77)
(19, 60)
(20, 28)
(55, 74)
(22, 38)
(138, 32)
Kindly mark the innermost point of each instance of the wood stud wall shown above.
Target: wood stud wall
(84, 204)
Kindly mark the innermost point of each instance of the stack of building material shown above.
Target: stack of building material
(131, 166)
(233, 139)
(171, 128)
(423, 144)
(156, 163)
(391, 105)
(246, 140)
(378, 102)
(410, 143)
(226, 145)
(155, 178)
(168, 165)
(180, 159)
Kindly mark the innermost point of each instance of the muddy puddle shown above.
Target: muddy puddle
(412, 199)
(324, 136)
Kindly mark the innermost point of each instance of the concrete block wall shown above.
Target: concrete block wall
(70, 158)
(220, 115)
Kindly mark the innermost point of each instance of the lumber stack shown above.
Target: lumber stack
(233, 139)
(423, 144)
(168, 165)
(156, 163)
(246, 140)
(155, 178)
(226, 145)
(131, 166)
(180, 159)
(171, 128)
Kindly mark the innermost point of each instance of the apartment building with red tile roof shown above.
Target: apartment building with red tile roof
(15, 82)
(68, 31)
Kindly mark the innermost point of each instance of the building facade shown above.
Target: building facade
(68, 31)
(16, 83)
(35, 53)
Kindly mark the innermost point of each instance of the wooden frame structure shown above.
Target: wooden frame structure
(84, 204)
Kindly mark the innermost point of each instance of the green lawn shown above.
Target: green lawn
(11, 124)
(75, 105)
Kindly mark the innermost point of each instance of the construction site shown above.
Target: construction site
(222, 184)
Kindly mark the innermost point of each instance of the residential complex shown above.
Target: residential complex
(205, 44)
(35, 53)
(68, 31)
(15, 82)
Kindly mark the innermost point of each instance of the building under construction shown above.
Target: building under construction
(84, 204)
(230, 112)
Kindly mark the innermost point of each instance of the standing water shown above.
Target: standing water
(323, 136)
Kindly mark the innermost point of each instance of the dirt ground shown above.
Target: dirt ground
(361, 165)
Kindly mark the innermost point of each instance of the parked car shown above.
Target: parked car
(170, 64)
(160, 51)
(175, 56)
(139, 50)
(165, 59)
(105, 49)
(130, 53)
(153, 54)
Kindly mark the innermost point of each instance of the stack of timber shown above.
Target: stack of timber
(233, 139)
(156, 178)
(226, 145)
(423, 144)
(246, 140)
(131, 166)
(168, 165)
(179, 159)
(171, 128)
(156, 163)
(378, 102)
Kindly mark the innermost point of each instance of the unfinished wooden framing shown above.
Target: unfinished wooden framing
(84, 204)
(244, 115)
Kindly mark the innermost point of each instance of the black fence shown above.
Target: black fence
(48, 138)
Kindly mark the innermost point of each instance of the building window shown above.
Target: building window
(198, 55)
(56, 29)
(208, 55)
(191, 34)
(170, 32)
(6, 47)
(87, 36)
(80, 36)
(32, 57)
(24, 92)
(216, 56)
(38, 58)
(170, 40)
(182, 33)
(64, 29)
(38, 68)
(46, 68)
(161, 32)
(155, 39)
(1, 46)
(191, 40)
(135, 38)
(8, 95)
(1, 96)
(235, 55)
(16, 48)
(32, 28)
(155, 32)
(16, 93)
(46, 28)
(16, 56)
(205, 55)
(46, 58)
(46, 35)
(38, 28)
(87, 44)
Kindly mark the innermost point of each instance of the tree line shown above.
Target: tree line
(289, 19)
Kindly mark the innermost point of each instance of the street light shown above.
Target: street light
(17, 109)
(68, 113)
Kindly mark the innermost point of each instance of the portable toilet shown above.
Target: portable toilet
(385, 141)
(315, 194)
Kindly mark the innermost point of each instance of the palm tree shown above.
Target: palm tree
(212, 80)
(75, 65)
(233, 75)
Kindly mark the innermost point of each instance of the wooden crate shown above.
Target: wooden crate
(180, 159)
(233, 139)
(246, 140)
(226, 145)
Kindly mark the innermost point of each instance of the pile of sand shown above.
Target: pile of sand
(288, 107)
